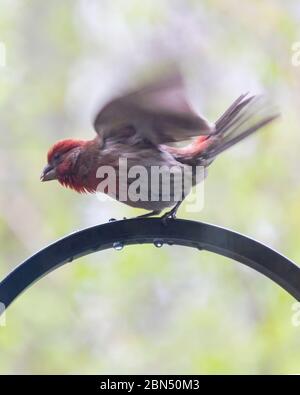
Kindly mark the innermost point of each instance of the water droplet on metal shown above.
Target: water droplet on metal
(118, 245)
(158, 243)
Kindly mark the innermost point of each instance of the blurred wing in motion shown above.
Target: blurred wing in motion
(156, 113)
(244, 117)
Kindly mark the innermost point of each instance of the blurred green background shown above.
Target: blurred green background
(148, 310)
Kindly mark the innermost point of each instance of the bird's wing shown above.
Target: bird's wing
(157, 112)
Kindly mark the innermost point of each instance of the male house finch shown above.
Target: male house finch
(139, 127)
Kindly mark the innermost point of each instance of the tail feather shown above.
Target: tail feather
(245, 116)
(235, 106)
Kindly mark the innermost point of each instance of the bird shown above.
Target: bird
(152, 126)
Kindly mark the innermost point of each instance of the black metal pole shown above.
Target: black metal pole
(151, 230)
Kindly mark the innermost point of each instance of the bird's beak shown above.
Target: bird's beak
(48, 174)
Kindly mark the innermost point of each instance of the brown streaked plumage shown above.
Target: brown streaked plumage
(140, 126)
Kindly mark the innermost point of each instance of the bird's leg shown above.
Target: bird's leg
(151, 214)
(170, 214)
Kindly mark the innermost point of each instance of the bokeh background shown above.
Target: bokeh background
(144, 309)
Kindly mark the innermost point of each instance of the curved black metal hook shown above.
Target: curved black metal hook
(151, 230)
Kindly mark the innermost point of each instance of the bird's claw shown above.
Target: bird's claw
(166, 218)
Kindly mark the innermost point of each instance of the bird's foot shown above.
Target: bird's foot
(151, 214)
(147, 215)
(169, 216)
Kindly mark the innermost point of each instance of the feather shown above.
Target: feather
(157, 113)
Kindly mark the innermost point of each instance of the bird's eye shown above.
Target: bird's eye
(56, 157)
